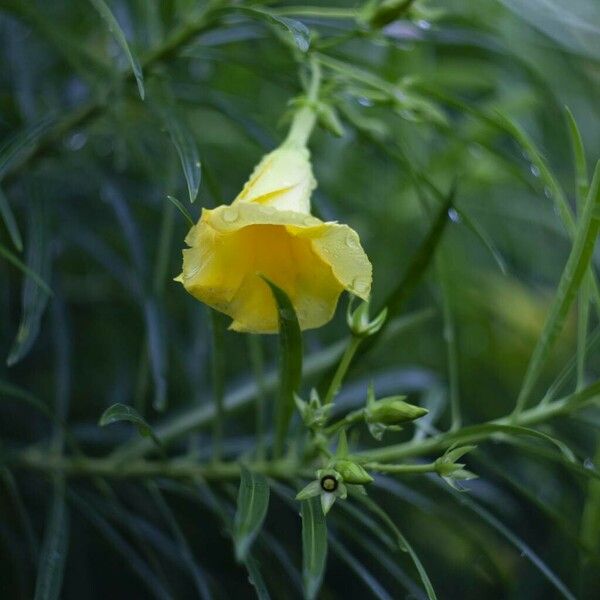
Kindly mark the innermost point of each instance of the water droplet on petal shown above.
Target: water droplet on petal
(361, 285)
(351, 241)
(230, 214)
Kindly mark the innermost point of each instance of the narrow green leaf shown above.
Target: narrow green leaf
(181, 209)
(185, 144)
(182, 543)
(21, 142)
(13, 260)
(402, 541)
(114, 27)
(34, 298)
(579, 162)
(296, 29)
(371, 582)
(513, 538)
(121, 412)
(54, 549)
(10, 222)
(314, 546)
(256, 579)
(252, 504)
(290, 364)
(574, 271)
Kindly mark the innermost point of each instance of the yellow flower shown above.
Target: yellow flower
(268, 230)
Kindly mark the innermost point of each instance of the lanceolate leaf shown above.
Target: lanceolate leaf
(290, 364)
(256, 578)
(121, 412)
(119, 36)
(34, 298)
(10, 222)
(575, 269)
(54, 549)
(252, 504)
(314, 546)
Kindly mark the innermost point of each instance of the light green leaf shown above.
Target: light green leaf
(290, 364)
(572, 276)
(10, 222)
(252, 505)
(256, 578)
(121, 412)
(579, 161)
(54, 549)
(181, 209)
(314, 546)
(119, 36)
(296, 29)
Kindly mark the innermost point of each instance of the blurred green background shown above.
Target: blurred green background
(86, 166)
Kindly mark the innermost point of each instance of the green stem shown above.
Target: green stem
(349, 420)
(533, 416)
(177, 469)
(400, 469)
(305, 118)
(326, 12)
(341, 370)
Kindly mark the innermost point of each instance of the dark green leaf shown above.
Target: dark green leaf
(10, 222)
(121, 412)
(290, 365)
(54, 549)
(256, 578)
(252, 504)
(314, 546)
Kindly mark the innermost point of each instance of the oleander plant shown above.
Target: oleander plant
(299, 300)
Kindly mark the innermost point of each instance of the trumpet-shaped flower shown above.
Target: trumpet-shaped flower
(268, 230)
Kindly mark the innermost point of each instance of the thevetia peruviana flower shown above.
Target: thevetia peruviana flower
(268, 231)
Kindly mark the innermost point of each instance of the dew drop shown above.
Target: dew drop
(534, 170)
(351, 241)
(423, 24)
(453, 215)
(364, 101)
(588, 463)
(230, 214)
(548, 192)
(360, 285)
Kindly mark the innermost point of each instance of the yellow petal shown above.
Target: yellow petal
(312, 261)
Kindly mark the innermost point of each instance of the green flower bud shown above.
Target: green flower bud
(352, 472)
(359, 323)
(392, 411)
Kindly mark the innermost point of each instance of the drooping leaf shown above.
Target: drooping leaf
(314, 546)
(182, 209)
(290, 364)
(54, 548)
(114, 27)
(121, 412)
(252, 505)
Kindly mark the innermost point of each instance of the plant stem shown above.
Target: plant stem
(404, 469)
(532, 416)
(341, 370)
(347, 421)
(326, 12)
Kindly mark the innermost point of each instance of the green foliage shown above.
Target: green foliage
(463, 398)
